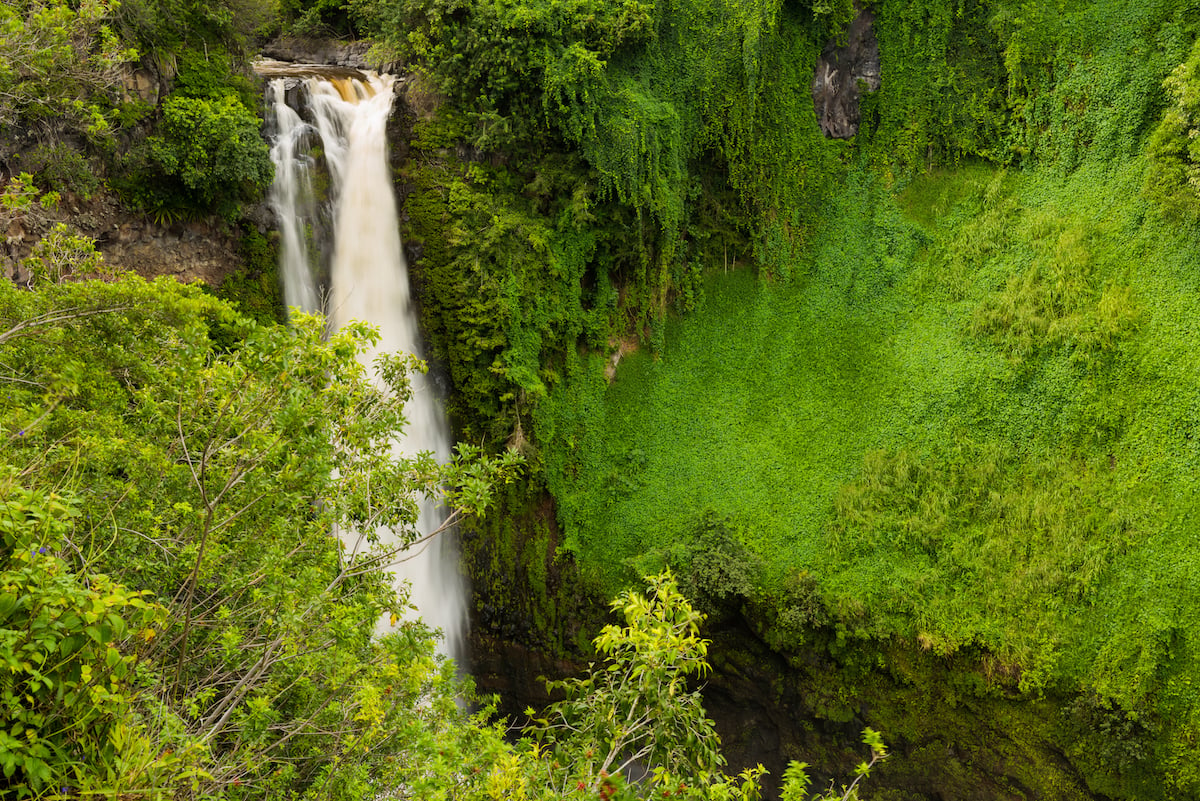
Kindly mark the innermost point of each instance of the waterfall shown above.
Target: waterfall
(292, 200)
(368, 282)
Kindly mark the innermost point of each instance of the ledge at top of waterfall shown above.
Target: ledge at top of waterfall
(272, 68)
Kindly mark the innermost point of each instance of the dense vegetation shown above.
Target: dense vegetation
(948, 412)
(176, 610)
(192, 583)
(918, 407)
(182, 619)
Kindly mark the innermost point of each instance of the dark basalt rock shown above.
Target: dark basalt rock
(331, 52)
(843, 73)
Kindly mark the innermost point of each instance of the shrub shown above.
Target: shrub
(59, 167)
(1174, 175)
(68, 645)
(61, 254)
(209, 157)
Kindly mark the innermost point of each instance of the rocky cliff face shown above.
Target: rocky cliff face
(202, 250)
(843, 73)
(328, 52)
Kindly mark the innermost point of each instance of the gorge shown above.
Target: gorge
(870, 322)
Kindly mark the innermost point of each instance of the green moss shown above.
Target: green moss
(526, 587)
(255, 288)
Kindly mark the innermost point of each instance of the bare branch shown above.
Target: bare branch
(59, 316)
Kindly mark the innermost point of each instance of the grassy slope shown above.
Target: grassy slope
(972, 417)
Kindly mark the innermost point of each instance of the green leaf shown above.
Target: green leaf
(112, 657)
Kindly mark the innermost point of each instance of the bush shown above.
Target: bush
(59, 167)
(61, 254)
(209, 157)
(211, 74)
(59, 67)
(68, 645)
(1174, 175)
(267, 655)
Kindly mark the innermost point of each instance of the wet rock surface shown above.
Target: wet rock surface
(843, 73)
(332, 52)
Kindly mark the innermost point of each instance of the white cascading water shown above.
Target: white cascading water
(369, 282)
(292, 200)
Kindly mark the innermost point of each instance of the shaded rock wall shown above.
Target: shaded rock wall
(843, 73)
(202, 250)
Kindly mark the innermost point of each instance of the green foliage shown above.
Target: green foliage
(76, 715)
(796, 781)
(255, 288)
(210, 459)
(818, 329)
(954, 422)
(525, 586)
(60, 168)
(1055, 300)
(1085, 78)
(942, 77)
(319, 17)
(212, 75)
(717, 565)
(1010, 79)
(1174, 175)
(961, 430)
(510, 285)
(205, 154)
(993, 536)
(165, 28)
(616, 153)
(21, 194)
(496, 52)
(62, 255)
(637, 713)
(59, 66)
(208, 157)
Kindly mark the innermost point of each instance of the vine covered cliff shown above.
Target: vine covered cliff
(872, 322)
(904, 410)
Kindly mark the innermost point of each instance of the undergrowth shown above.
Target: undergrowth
(932, 390)
(970, 418)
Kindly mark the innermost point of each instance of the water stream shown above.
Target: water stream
(346, 116)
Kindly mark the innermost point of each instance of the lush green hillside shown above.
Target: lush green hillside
(919, 406)
(947, 407)
(964, 424)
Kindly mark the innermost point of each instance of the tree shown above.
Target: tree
(638, 716)
(59, 62)
(178, 617)
(209, 156)
(68, 687)
(210, 461)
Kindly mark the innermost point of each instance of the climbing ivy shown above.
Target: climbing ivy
(613, 154)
